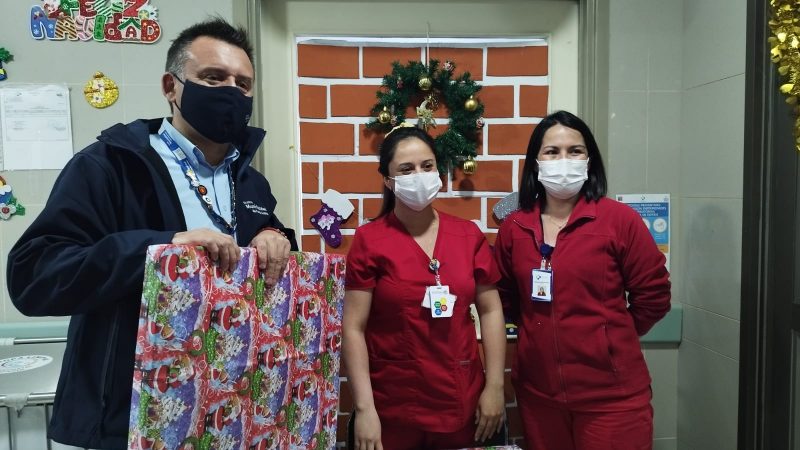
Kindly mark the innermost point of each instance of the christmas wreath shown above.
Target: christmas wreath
(433, 85)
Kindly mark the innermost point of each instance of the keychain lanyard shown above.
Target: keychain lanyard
(199, 189)
(547, 252)
(434, 267)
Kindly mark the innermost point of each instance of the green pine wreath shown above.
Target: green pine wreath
(460, 142)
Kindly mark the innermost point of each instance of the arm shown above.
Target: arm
(646, 277)
(507, 286)
(491, 404)
(357, 304)
(74, 258)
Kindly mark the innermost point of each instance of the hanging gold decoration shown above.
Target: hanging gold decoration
(471, 104)
(385, 116)
(425, 118)
(470, 166)
(101, 91)
(785, 52)
(425, 84)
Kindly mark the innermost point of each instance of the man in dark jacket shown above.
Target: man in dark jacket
(183, 180)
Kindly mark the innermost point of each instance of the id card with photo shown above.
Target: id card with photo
(541, 285)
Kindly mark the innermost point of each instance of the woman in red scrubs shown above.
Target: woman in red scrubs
(409, 343)
(585, 278)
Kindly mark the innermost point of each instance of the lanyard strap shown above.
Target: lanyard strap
(434, 266)
(199, 189)
(547, 252)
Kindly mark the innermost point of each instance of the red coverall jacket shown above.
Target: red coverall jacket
(581, 351)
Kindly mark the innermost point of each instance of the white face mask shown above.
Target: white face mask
(417, 190)
(563, 178)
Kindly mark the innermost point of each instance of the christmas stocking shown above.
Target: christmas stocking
(336, 208)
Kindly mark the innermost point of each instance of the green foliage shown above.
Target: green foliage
(5, 56)
(400, 87)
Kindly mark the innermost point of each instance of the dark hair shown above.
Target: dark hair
(531, 189)
(387, 150)
(216, 28)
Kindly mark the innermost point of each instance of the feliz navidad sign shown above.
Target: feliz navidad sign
(134, 21)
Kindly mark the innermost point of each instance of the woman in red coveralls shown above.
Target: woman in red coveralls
(585, 278)
(417, 378)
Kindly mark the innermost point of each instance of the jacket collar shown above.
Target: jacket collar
(532, 220)
(135, 137)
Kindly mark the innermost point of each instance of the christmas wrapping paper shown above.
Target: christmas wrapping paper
(224, 363)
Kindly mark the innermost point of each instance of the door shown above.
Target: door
(769, 409)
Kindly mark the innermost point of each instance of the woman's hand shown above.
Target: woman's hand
(368, 430)
(489, 415)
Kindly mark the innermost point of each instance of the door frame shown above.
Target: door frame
(769, 258)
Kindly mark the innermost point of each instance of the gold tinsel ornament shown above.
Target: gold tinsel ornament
(785, 52)
(101, 91)
(425, 84)
(470, 166)
(385, 116)
(471, 104)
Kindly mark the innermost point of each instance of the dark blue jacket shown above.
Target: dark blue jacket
(84, 257)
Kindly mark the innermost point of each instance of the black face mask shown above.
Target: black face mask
(220, 114)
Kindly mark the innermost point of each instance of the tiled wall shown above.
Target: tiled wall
(711, 167)
(676, 112)
(336, 90)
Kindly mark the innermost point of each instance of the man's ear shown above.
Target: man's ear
(168, 87)
(388, 183)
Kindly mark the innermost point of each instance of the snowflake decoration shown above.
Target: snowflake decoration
(148, 12)
(326, 221)
(279, 295)
(6, 211)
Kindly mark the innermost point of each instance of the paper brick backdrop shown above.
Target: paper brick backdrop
(336, 90)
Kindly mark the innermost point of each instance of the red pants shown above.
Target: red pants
(560, 429)
(405, 438)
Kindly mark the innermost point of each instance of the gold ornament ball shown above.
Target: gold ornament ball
(101, 91)
(384, 116)
(425, 83)
(471, 104)
(470, 166)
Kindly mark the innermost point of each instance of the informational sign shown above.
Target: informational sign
(654, 209)
(36, 126)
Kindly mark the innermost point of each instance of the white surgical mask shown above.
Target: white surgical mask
(563, 178)
(417, 190)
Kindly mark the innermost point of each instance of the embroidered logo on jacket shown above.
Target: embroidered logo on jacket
(255, 208)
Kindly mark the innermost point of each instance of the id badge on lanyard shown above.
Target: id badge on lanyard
(542, 278)
(438, 298)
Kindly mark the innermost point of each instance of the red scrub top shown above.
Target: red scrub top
(425, 372)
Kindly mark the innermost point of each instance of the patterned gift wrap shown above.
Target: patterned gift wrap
(223, 363)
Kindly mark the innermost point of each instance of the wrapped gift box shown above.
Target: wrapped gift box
(223, 363)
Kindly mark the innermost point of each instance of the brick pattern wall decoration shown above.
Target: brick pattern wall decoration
(336, 86)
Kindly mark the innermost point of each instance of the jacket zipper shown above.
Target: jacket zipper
(106, 376)
(552, 315)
